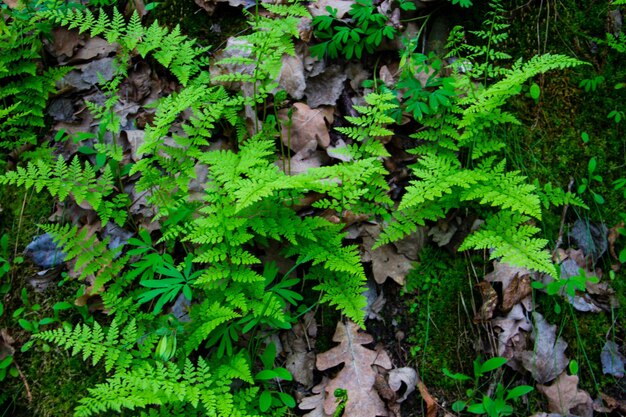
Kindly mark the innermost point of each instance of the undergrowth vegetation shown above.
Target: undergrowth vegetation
(176, 309)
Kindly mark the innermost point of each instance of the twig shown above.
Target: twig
(29, 395)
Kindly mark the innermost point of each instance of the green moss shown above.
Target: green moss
(438, 330)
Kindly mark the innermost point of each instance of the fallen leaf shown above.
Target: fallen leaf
(389, 395)
(518, 289)
(547, 360)
(612, 238)
(386, 261)
(357, 375)
(565, 398)
(318, 8)
(511, 331)
(93, 48)
(591, 238)
(64, 42)
(325, 88)
(291, 77)
(612, 360)
(315, 402)
(490, 302)
(406, 376)
(298, 345)
(431, 404)
(304, 127)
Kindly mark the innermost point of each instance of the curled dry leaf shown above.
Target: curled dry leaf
(518, 289)
(490, 302)
(357, 375)
(565, 398)
(406, 376)
(547, 360)
(512, 331)
(298, 344)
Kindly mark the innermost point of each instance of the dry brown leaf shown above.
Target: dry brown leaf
(64, 42)
(399, 376)
(93, 48)
(613, 235)
(547, 360)
(518, 289)
(431, 404)
(565, 398)
(307, 128)
(386, 261)
(315, 402)
(318, 8)
(291, 77)
(298, 344)
(490, 302)
(506, 273)
(512, 331)
(325, 88)
(357, 375)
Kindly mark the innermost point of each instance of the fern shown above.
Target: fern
(456, 164)
(203, 387)
(24, 87)
(81, 182)
(171, 49)
(113, 345)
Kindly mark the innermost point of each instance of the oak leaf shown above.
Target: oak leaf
(357, 376)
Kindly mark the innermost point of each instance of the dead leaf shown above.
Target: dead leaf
(612, 238)
(547, 360)
(325, 88)
(298, 345)
(6, 344)
(316, 402)
(93, 48)
(305, 128)
(518, 289)
(612, 360)
(64, 42)
(591, 238)
(389, 395)
(406, 376)
(511, 331)
(490, 302)
(291, 77)
(13, 4)
(565, 398)
(318, 8)
(386, 261)
(431, 404)
(357, 375)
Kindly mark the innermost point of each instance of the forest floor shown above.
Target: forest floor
(437, 318)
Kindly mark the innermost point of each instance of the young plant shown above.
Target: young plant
(478, 403)
(364, 33)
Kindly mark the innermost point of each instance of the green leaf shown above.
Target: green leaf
(287, 399)
(535, 91)
(6, 362)
(573, 367)
(457, 376)
(518, 391)
(265, 400)
(26, 325)
(458, 406)
(266, 374)
(282, 373)
(585, 137)
(478, 408)
(62, 305)
(492, 364)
